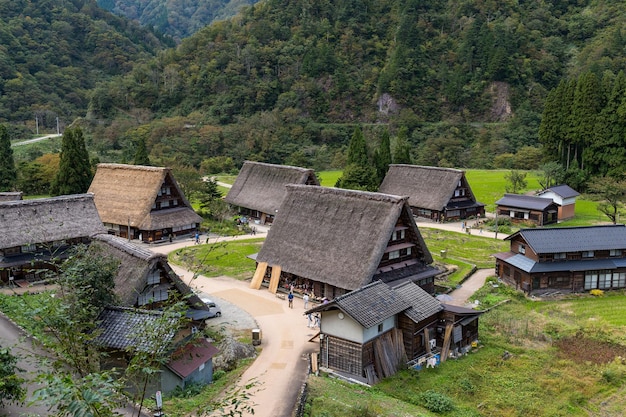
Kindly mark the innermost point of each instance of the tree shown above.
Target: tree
(611, 193)
(359, 174)
(11, 389)
(74, 176)
(141, 154)
(516, 181)
(382, 157)
(208, 193)
(8, 174)
(551, 174)
(402, 150)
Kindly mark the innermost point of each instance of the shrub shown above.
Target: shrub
(436, 402)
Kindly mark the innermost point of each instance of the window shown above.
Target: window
(399, 235)
(619, 280)
(591, 280)
(380, 328)
(561, 255)
(454, 213)
(587, 254)
(165, 203)
(31, 247)
(604, 279)
(154, 277)
(394, 254)
(616, 252)
(522, 248)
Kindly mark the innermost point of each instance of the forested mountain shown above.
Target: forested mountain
(53, 53)
(176, 18)
(286, 82)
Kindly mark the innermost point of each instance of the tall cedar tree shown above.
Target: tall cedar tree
(74, 176)
(359, 174)
(382, 157)
(402, 151)
(8, 174)
(141, 154)
(585, 110)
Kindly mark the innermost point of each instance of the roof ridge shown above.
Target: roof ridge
(132, 167)
(368, 195)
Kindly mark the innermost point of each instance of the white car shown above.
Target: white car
(214, 309)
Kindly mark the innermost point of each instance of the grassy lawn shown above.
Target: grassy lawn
(328, 178)
(471, 249)
(217, 259)
(561, 364)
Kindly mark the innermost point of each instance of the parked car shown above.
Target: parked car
(214, 309)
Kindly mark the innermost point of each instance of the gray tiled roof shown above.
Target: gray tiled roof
(376, 302)
(528, 202)
(423, 305)
(564, 191)
(123, 328)
(574, 239)
(372, 304)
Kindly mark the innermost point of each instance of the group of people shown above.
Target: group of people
(314, 319)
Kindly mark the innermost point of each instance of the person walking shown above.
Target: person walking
(290, 298)
(305, 298)
(197, 238)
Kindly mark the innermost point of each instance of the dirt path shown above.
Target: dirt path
(281, 367)
(469, 287)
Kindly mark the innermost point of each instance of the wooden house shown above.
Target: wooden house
(142, 202)
(569, 259)
(124, 331)
(527, 209)
(259, 189)
(370, 333)
(330, 241)
(10, 196)
(564, 197)
(434, 193)
(146, 280)
(37, 233)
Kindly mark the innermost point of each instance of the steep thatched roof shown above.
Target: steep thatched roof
(126, 193)
(44, 220)
(10, 196)
(261, 186)
(427, 187)
(334, 236)
(135, 265)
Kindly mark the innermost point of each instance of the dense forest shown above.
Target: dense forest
(463, 82)
(52, 54)
(176, 18)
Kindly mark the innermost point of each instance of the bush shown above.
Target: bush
(436, 402)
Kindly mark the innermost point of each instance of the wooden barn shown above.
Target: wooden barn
(567, 259)
(259, 188)
(437, 194)
(564, 197)
(527, 208)
(330, 241)
(374, 331)
(142, 202)
(37, 233)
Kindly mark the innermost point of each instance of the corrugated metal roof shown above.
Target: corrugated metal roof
(563, 190)
(528, 265)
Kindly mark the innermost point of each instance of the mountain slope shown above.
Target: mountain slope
(176, 18)
(52, 55)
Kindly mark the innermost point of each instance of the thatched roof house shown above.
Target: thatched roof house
(146, 200)
(330, 241)
(259, 188)
(434, 193)
(36, 230)
(145, 279)
(10, 196)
